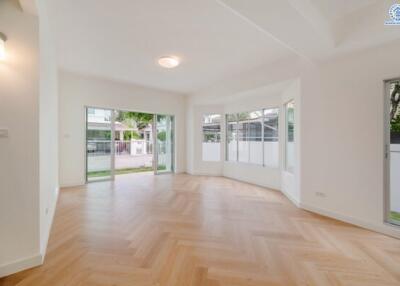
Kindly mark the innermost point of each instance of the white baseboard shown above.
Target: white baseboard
(383, 228)
(21, 264)
(205, 174)
(250, 182)
(291, 198)
(70, 185)
(36, 260)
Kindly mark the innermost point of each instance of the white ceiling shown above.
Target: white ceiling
(123, 40)
(216, 39)
(335, 9)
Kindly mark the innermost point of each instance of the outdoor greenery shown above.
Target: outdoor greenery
(141, 120)
(395, 124)
(212, 137)
(395, 108)
(107, 173)
(161, 167)
(98, 134)
(128, 135)
(162, 136)
(395, 216)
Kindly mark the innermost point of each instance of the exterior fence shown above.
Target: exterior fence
(128, 154)
(131, 147)
(252, 152)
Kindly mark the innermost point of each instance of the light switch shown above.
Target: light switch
(3, 133)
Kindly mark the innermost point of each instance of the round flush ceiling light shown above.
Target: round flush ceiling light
(168, 62)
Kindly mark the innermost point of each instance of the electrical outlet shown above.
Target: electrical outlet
(320, 194)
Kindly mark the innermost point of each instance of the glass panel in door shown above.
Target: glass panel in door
(290, 140)
(393, 151)
(99, 147)
(164, 159)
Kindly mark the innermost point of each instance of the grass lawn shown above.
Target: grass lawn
(119, 172)
(395, 216)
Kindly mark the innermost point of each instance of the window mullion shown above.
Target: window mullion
(237, 137)
(262, 137)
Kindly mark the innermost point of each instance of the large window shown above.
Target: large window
(271, 137)
(231, 137)
(252, 137)
(212, 137)
(290, 142)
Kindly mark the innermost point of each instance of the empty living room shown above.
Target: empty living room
(200, 143)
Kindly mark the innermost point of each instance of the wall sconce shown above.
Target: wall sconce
(3, 39)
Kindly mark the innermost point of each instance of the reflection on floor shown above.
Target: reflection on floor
(185, 230)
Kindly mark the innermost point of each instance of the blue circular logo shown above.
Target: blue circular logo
(394, 12)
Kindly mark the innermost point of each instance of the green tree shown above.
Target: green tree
(141, 120)
(395, 124)
(162, 136)
(128, 135)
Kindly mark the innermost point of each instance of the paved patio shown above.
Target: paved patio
(102, 162)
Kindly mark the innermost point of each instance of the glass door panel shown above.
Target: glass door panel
(133, 142)
(393, 150)
(164, 142)
(99, 147)
(290, 140)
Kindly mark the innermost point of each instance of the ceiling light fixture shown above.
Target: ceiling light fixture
(169, 62)
(3, 40)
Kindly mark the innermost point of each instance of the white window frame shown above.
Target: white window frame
(287, 169)
(220, 136)
(237, 141)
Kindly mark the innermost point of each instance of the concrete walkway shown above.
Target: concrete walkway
(100, 163)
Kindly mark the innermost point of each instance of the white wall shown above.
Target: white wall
(48, 127)
(342, 135)
(19, 161)
(341, 126)
(78, 91)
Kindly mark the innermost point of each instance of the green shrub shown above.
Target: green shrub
(395, 125)
(128, 135)
(161, 136)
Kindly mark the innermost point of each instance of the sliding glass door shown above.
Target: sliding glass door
(124, 142)
(99, 144)
(392, 151)
(164, 143)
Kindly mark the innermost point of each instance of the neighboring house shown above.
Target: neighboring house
(99, 132)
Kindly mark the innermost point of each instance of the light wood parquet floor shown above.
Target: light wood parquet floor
(181, 230)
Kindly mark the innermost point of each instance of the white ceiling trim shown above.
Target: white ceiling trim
(314, 16)
(297, 25)
(259, 28)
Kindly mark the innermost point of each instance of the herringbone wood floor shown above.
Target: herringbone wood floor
(174, 230)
